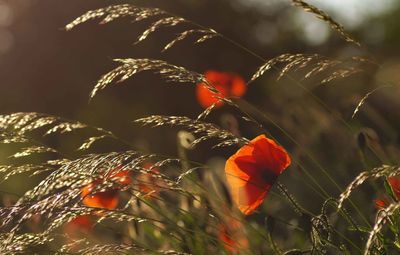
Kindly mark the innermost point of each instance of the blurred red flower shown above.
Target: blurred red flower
(232, 235)
(394, 183)
(380, 204)
(81, 224)
(105, 199)
(147, 183)
(253, 170)
(227, 83)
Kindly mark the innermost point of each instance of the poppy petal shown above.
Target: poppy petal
(123, 177)
(273, 156)
(380, 204)
(106, 199)
(233, 237)
(206, 98)
(394, 183)
(250, 198)
(238, 175)
(81, 224)
(239, 87)
(227, 83)
(252, 171)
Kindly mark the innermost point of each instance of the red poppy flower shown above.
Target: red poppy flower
(380, 204)
(76, 229)
(105, 199)
(147, 183)
(394, 183)
(232, 236)
(122, 177)
(228, 84)
(81, 223)
(253, 170)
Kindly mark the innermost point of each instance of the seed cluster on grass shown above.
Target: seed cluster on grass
(133, 202)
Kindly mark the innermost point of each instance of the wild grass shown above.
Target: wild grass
(177, 205)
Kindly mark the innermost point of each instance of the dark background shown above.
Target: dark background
(47, 69)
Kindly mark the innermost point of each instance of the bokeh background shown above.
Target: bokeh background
(44, 68)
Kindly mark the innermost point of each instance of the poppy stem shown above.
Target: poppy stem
(274, 245)
(270, 225)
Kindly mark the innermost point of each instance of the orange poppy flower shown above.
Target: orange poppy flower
(122, 177)
(380, 204)
(81, 223)
(394, 183)
(232, 236)
(147, 183)
(228, 84)
(105, 199)
(253, 170)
